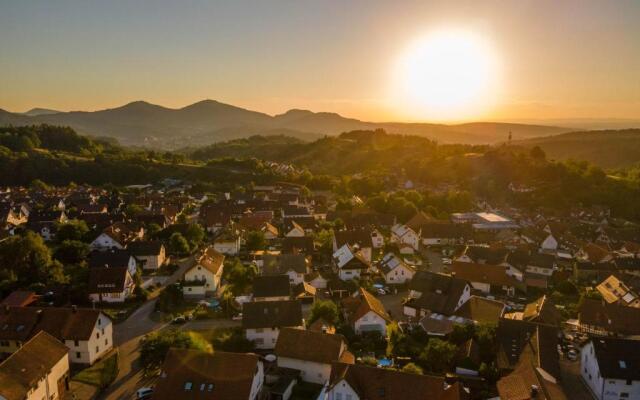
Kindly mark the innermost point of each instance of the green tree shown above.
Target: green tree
(239, 276)
(152, 230)
(72, 230)
(438, 355)
(28, 260)
(71, 252)
(133, 210)
(256, 241)
(195, 235)
(412, 368)
(178, 244)
(155, 348)
(325, 309)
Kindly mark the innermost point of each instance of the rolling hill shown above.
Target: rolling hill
(606, 148)
(209, 121)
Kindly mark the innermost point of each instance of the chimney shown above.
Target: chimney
(534, 391)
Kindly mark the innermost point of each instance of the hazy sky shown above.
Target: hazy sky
(557, 59)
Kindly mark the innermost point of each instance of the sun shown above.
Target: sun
(445, 75)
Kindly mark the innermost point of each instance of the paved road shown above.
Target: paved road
(575, 389)
(127, 337)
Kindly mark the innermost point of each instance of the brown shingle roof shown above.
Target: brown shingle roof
(368, 302)
(20, 323)
(378, 383)
(309, 345)
(23, 369)
(215, 376)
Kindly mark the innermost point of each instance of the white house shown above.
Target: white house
(366, 313)
(361, 382)
(151, 254)
(349, 263)
(395, 270)
(549, 244)
(228, 244)
(106, 241)
(38, 370)
(402, 234)
(262, 320)
(311, 353)
(110, 284)
(203, 278)
(87, 333)
(611, 368)
(296, 230)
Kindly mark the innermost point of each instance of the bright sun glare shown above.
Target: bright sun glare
(446, 75)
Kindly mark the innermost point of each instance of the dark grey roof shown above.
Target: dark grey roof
(110, 258)
(145, 248)
(617, 358)
(271, 286)
(271, 314)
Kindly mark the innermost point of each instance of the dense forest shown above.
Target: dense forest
(369, 163)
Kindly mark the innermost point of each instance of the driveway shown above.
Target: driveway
(127, 335)
(393, 304)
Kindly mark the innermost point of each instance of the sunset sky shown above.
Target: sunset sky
(530, 59)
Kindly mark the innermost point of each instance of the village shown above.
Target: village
(277, 292)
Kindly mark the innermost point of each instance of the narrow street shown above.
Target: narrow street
(127, 335)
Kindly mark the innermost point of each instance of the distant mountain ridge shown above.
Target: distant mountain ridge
(606, 148)
(209, 121)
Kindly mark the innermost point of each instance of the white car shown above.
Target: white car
(446, 261)
(144, 393)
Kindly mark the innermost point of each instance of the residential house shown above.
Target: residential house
(311, 352)
(295, 230)
(117, 236)
(110, 284)
(203, 278)
(302, 245)
(87, 333)
(395, 270)
(271, 288)
(542, 311)
(114, 258)
(293, 265)
(263, 320)
(45, 223)
(403, 235)
(227, 243)
(361, 382)
(441, 294)
(359, 239)
(611, 368)
(365, 313)
(601, 318)
(614, 290)
(195, 374)
(444, 233)
(487, 278)
(150, 254)
(38, 370)
(350, 263)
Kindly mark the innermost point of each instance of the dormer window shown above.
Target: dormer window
(188, 386)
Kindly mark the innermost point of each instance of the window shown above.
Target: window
(188, 386)
(97, 335)
(259, 330)
(106, 342)
(338, 396)
(76, 343)
(624, 395)
(259, 341)
(629, 382)
(78, 355)
(97, 349)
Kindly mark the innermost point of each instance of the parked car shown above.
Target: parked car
(572, 355)
(237, 317)
(180, 319)
(447, 261)
(144, 393)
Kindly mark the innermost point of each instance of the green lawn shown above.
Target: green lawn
(100, 374)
